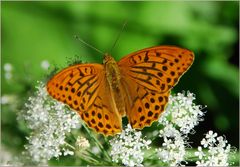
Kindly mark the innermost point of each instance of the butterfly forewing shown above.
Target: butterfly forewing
(157, 68)
(76, 85)
(83, 87)
(148, 76)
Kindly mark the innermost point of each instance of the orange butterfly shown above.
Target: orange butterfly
(137, 86)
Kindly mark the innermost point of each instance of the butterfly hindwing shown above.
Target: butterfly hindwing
(102, 116)
(146, 106)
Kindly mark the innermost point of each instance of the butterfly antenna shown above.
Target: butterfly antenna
(81, 40)
(118, 36)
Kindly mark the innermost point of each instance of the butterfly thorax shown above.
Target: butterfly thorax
(113, 78)
(112, 71)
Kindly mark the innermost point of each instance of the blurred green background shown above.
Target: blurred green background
(35, 33)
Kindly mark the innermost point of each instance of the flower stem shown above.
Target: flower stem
(97, 142)
(69, 145)
(88, 159)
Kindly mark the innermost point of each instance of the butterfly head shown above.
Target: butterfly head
(108, 59)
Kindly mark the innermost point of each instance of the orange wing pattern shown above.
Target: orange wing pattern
(148, 75)
(102, 116)
(145, 105)
(84, 88)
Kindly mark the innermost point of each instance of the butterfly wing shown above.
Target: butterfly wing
(145, 105)
(84, 88)
(148, 76)
(103, 115)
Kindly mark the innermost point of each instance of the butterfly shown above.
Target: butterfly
(137, 86)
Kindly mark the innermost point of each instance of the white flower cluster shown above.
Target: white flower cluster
(128, 147)
(172, 151)
(49, 121)
(179, 119)
(217, 151)
(183, 112)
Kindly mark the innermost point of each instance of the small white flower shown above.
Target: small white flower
(199, 153)
(95, 150)
(7, 67)
(67, 152)
(128, 146)
(5, 99)
(8, 71)
(11, 100)
(82, 143)
(204, 143)
(221, 141)
(169, 131)
(8, 75)
(45, 64)
(209, 140)
(210, 136)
